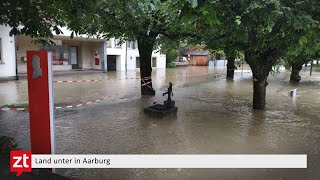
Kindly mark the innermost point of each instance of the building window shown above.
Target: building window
(117, 43)
(61, 54)
(134, 44)
(1, 60)
(129, 45)
(108, 44)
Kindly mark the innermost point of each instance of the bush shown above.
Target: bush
(171, 65)
(7, 144)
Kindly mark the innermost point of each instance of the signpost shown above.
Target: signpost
(41, 106)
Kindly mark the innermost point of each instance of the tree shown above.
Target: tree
(226, 35)
(306, 50)
(32, 18)
(262, 30)
(144, 20)
(216, 28)
(171, 48)
(268, 28)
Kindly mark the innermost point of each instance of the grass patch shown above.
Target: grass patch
(23, 105)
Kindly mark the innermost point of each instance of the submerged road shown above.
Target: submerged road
(214, 117)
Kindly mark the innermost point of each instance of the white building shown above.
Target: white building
(88, 53)
(133, 60)
(77, 53)
(7, 54)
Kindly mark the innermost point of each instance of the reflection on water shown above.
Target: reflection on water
(214, 116)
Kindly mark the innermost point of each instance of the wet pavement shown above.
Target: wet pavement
(214, 117)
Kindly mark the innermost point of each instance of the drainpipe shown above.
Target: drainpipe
(126, 56)
(104, 58)
(15, 47)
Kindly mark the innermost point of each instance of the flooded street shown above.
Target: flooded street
(215, 116)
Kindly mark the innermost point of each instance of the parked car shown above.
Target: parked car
(181, 59)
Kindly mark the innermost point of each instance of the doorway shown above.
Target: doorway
(137, 62)
(74, 57)
(112, 63)
(154, 62)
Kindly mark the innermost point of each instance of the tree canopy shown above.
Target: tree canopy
(32, 18)
(265, 31)
(144, 20)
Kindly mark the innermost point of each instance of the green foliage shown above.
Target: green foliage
(170, 48)
(127, 19)
(16, 105)
(305, 50)
(263, 30)
(215, 52)
(6, 145)
(146, 21)
(171, 65)
(171, 55)
(198, 47)
(32, 18)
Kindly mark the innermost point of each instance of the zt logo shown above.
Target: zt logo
(24, 159)
(20, 161)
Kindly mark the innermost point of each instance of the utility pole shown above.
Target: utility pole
(311, 67)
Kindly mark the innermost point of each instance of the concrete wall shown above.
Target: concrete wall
(220, 62)
(120, 52)
(8, 54)
(161, 60)
(24, 44)
(132, 55)
(88, 50)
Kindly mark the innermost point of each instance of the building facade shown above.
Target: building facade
(133, 60)
(7, 54)
(88, 53)
(68, 54)
(197, 58)
(78, 53)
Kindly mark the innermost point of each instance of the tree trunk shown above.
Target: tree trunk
(231, 56)
(260, 62)
(259, 92)
(296, 68)
(260, 71)
(145, 46)
(230, 67)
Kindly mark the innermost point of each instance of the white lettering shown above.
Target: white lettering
(25, 157)
(16, 164)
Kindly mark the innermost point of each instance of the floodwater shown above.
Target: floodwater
(214, 117)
